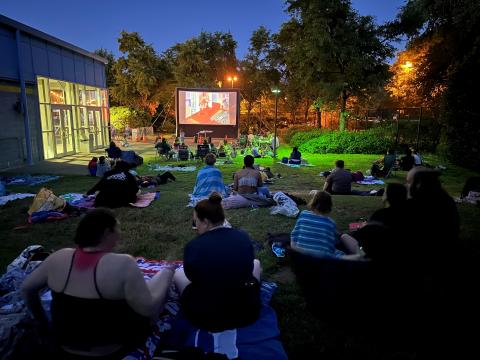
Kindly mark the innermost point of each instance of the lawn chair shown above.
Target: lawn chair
(202, 151)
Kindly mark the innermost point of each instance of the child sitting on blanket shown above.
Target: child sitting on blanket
(315, 233)
(102, 166)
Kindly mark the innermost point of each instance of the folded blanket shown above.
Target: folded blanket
(5, 199)
(295, 165)
(174, 168)
(30, 180)
(371, 180)
(145, 199)
(238, 201)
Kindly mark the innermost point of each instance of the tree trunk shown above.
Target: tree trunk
(307, 106)
(249, 110)
(343, 111)
(319, 118)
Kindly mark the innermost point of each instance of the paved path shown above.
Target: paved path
(76, 164)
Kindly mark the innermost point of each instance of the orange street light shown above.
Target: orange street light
(232, 79)
(408, 66)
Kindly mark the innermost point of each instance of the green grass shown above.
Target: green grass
(162, 230)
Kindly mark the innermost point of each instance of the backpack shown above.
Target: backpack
(357, 176)
(46, 200)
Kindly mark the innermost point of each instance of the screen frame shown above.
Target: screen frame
(228, 129)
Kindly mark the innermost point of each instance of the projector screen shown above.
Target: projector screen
(204, 107)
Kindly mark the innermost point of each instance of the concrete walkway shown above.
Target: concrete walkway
(76, 164)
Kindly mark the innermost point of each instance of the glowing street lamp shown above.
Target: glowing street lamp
(276, 91)
(232, 79)
(408, 66)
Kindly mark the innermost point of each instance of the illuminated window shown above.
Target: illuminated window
(57, 96)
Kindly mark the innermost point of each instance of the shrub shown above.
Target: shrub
(287, 137)
(302, 137)
(371, 141)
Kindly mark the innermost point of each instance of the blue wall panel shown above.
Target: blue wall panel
(54, 62)
(40, 59)
(89, 72)
(99, 74)
(79, 69)
(68, 65)
(26, 59)
(8, 57)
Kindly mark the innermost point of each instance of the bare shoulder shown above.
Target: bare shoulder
(117, 261)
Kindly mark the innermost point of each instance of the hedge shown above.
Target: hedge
(302, 137)
(371, 141)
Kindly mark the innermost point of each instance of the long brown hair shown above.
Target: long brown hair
(211, 209)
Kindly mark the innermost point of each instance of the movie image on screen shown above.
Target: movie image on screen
(207, 107)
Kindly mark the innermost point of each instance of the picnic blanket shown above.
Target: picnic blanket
(370, 180)
(257, 341)
(295, 165)
(87, 202)
(30, 180)
(5, 199)
(145, 199)
(209, 180)
(174, 168)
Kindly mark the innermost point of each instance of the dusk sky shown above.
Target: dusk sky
(162, 23)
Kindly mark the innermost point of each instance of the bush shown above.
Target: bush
(287, 137)
(301, 137)
(371, 141)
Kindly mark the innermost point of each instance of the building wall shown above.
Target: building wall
(41, 58)
(13, 149)
(38, 57)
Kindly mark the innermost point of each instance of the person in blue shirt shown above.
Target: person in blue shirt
(315, 233)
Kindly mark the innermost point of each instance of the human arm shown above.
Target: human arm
(235, 182)
(259, 177)
(146, 298)
(349, 243)
(30, 288)
(97, 187)
(328, 183)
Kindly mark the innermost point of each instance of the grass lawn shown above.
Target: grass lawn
(162, 230)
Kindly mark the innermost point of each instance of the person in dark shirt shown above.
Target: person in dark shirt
(392, 216)
(101, 304)
(219, 283)
(113, 151)
(117, 188)
(407, 162)
(295, 156)
(339, 182)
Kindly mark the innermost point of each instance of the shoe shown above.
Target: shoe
(278, 250)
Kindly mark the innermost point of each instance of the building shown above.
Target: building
(53, 97)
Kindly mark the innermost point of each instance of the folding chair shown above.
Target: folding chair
(202, 151)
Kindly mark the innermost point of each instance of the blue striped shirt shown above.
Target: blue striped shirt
(315, 234)
(209, 179)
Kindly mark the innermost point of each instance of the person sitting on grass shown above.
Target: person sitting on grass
(92, 166)
(113, 151)
(392, 216)
(295, 157)
(101, 305)
(102, 166)
(315, 233)
(407, 162)
(247, 180)
(116, 188)
(209, 180)
(220, 281)
(388, 162)
(339, 182)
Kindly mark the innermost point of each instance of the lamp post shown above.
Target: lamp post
(232, 79)
(276, 91)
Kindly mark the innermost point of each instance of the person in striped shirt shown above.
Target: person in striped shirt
(209, 180)
(315, 233)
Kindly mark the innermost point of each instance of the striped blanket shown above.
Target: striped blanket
(209, 179)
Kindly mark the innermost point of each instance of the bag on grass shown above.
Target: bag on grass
(46, 200)
(285, 205)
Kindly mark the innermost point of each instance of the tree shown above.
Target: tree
(203, 61)
(337, 52)
(257, 71)
(450, 71)
(139, 74)
(109, 74)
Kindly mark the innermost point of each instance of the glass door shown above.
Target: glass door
(62, 130)
(96, 127)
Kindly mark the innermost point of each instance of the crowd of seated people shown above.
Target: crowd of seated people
(410, 240)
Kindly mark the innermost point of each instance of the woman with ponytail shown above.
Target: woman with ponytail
(220, 280)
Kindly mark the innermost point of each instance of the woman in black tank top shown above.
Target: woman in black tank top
(101, 305)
